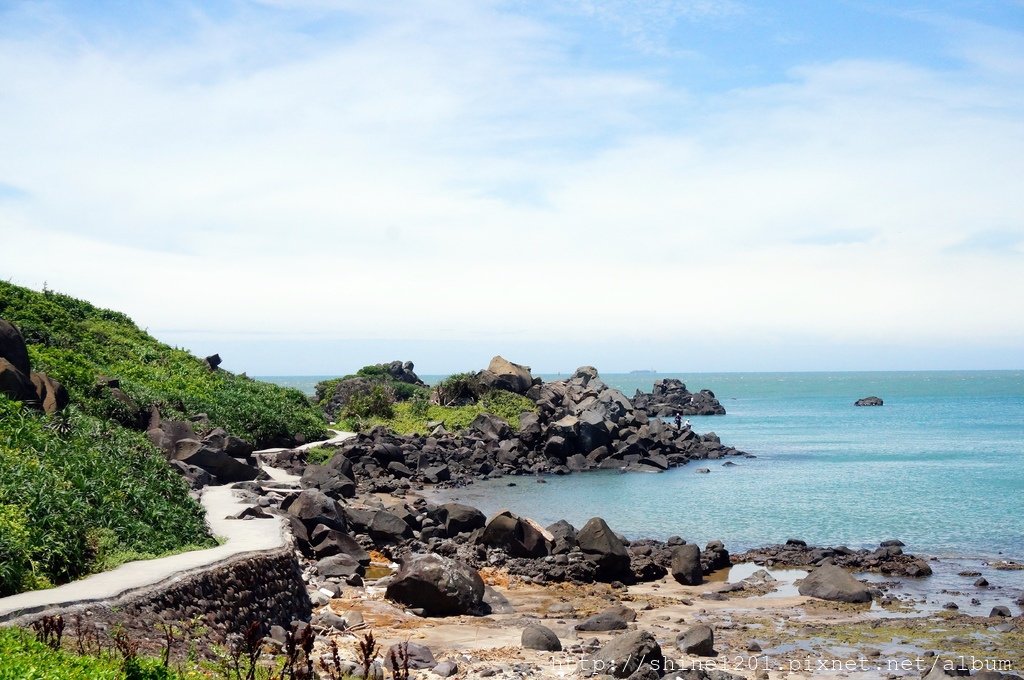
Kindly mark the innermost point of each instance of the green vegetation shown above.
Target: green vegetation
(76, 342)
(79, 494)
(377, 383)
(22, 657)
(411, 417)
(319, 455)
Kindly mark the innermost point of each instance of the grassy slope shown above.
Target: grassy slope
(75, 342)
(80, 493)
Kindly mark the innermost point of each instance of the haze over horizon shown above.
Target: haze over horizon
(307, 186)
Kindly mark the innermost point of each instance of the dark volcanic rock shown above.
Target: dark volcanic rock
(536, 636)
(51, 395)
(16, 385)
(868, 401)
(829, 582)
(459, 519)
(517, 536)
(602, 622)
(438, 585)
(502, 374)
(686, 567)
(621, 656)
(698, 640)
(12, 348)
(601, 546)
(795, 553)
(328, 480)
(670, 397)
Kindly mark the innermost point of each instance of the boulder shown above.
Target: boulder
(517, 536)
(339, 566)
(536, 636)
(328, 480)
(697, 640)
(16, 385)
(12, 348)
(602, 622)
(327, 542)
(459, 519)
(312, 507)
(438, 585)
(621, 656)
(601, 546)
(419, 656)
(491, 427)
(445, 669)
(563, 536)
(387, 527)
(686, 567)
(51, 394)
(502, 374)
(829, 582)
(223, 467)
(868, 401)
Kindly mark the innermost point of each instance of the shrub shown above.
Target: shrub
(411, 417)
(23, 657)
(377, 403)
(73, 502)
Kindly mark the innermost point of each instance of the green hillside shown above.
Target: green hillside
(76, 343)
(84, 489)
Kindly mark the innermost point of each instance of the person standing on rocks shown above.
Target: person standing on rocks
(679, 420)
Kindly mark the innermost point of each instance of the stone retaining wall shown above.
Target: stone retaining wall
(225, 597)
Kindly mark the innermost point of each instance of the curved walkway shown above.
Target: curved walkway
(238, 536)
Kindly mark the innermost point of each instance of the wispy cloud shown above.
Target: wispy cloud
(451, 170)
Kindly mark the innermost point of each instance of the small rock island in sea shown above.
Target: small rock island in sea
(869, 401)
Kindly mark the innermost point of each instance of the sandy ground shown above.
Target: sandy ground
(773, 635)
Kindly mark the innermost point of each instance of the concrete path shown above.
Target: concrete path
(338, 437)
(238, 536)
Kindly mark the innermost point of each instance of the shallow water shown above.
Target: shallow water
(940, 466)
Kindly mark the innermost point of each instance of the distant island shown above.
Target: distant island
(643, 371)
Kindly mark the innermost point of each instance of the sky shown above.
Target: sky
(308, 186)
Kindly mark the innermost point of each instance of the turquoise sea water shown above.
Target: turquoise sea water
(940, 466)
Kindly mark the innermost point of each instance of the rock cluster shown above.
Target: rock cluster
(17, 379)
(869, 401)
(343, 390)
(889, 558)
(580, 424)
(670, 397)
(212, 458)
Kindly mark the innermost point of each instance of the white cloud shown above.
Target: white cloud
(451, 172)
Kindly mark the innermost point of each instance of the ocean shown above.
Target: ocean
(939, 466)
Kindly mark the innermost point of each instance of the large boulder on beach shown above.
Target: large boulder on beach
(517, 536)
(457, 518)
(438, 585)
(563, 536)
(328, 480)
(829, 582)
(601, 546)
(536, 636)
(698, 640)
(621, 656)
(603, 621)
(686, 567)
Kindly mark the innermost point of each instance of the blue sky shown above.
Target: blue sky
(306, 186)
